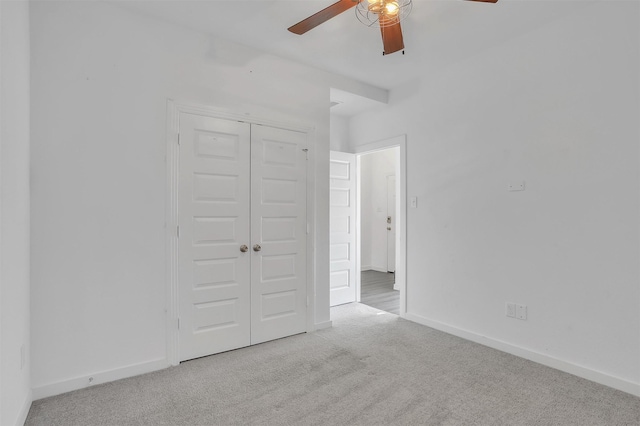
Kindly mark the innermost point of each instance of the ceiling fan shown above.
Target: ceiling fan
(387, 13)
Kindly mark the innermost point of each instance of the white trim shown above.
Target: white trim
(208, 111)
(323, 325)
(171, 224)
(368, 148)
(549, 361)
(399, 141)
(24, 411)
(359, 266)
(311, 226)
(56, 388)
(174, 109)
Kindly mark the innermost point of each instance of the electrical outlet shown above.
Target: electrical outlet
(521, 312)
(511, 310)
(515, 186)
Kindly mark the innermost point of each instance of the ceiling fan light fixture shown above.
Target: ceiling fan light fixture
(369, 12)
(392, 8)
(386, 13)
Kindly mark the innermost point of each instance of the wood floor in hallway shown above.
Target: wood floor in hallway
(377, 291)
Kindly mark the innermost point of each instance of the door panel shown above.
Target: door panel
(342, 243)
(278, 225)
(213, 216)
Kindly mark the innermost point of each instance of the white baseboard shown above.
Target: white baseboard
(549, 361)
(24, 411)
(323, 325)
(76, 383)
(365, 268)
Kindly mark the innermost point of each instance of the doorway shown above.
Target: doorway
(378, 219)
(355, 209)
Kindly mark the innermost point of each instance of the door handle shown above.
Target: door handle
(244, 248)
(257, 247)
(388, 228)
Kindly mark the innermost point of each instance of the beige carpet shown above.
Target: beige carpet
(368, 369)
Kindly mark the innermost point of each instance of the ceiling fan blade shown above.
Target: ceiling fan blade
(391, 34)
(486, 1)
(323, 16)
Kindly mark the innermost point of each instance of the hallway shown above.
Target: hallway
(377, 291)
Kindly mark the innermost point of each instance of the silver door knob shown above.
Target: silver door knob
(244, 248)
(257, 247)
(388, 228)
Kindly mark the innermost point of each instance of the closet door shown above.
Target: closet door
(242, 235)
(278, 233)
(213, 215)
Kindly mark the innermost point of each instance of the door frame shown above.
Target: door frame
(400, 142)
(174, 109)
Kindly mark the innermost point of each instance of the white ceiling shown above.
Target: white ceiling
(346, 104)
(436, 33)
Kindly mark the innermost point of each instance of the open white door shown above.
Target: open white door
(342, 217)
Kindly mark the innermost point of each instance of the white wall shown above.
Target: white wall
(558, 108)
(339, 133)
(377, 166)
(15, 386)
(101, 77)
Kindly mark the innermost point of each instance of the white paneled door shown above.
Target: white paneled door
(213, 217)
(342, 217)
(242, 234)
(278, 233)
